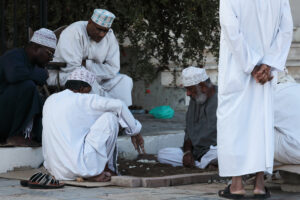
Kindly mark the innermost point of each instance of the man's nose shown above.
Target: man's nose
(188, 93)
(102, 34)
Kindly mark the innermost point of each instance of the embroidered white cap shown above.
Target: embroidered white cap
(103, 17)
(193, 76)
(44, 37)
(81, 74)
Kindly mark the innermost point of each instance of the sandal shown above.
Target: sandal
(227, 194)
(42, 181)
(266, 195)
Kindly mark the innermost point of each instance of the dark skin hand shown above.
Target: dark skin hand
(138, 143)
(188, 159)
(262, 74)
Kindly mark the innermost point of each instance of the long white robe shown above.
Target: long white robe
(103, 59)
(287, 126)
(252, 32)
(80, 131)
(174, 155)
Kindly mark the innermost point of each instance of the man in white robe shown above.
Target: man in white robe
(80, 131)
(287, 126)
(255, 41)
(92, 44)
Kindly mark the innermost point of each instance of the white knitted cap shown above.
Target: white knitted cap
(103, 17)
(81, 74)
(193, 76)
(44, 37)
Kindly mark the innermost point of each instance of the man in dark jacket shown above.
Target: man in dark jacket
(21, 70)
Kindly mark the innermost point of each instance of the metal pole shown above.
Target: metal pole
(43, 13)
(15, 24)
(3, 41)
(27, 18)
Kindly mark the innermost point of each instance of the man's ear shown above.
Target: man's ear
(85, 89)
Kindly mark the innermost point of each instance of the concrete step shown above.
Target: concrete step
(19, 157)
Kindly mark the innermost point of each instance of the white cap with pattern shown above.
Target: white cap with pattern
(103, 17)
(44, 37)
(193, 76)
(81, 74)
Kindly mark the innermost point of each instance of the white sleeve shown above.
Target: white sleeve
(111, 66)
(234, 38)
(126, 119)
(69, 49)
(277, 53)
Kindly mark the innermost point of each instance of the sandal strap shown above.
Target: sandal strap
(40, 178)
(48, 179)
(35, 177)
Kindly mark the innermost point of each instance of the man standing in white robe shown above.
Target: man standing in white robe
(255, 40)
(80, 131)
(93, 45)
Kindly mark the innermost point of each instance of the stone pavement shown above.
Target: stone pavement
(11, 190)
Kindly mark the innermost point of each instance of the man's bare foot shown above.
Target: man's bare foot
(237, 186)
(233, 191)
(112, 173)
(103, 177)
(259, 187)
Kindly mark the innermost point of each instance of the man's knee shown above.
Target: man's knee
(110, 117)
(28, 86)
(126, 80)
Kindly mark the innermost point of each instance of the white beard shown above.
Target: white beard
(201, 97)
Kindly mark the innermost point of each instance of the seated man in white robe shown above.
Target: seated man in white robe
(199, 148)
(287, 126)
(92, 44)
(80, 131)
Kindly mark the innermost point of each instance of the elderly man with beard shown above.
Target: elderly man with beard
(199, 148)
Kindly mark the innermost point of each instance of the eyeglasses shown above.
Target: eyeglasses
(100, 30)
(50, 53)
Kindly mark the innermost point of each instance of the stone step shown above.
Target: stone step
(20, 157)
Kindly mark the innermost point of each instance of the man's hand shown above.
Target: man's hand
(138, 143)
(262, 74)
(83, 63)
(188, 159)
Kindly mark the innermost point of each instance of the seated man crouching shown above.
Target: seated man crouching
(199, 148)
(80, 131)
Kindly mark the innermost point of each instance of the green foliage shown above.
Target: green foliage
(164, 31)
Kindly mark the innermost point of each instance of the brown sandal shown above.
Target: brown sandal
(42, 181)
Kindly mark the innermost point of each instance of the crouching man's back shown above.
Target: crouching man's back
(80, 133)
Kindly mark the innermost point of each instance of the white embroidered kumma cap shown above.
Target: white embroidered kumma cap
(193, 76)
(81, 74)
(44, 37)
(103, 17)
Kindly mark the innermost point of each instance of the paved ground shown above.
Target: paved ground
(11, 190)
